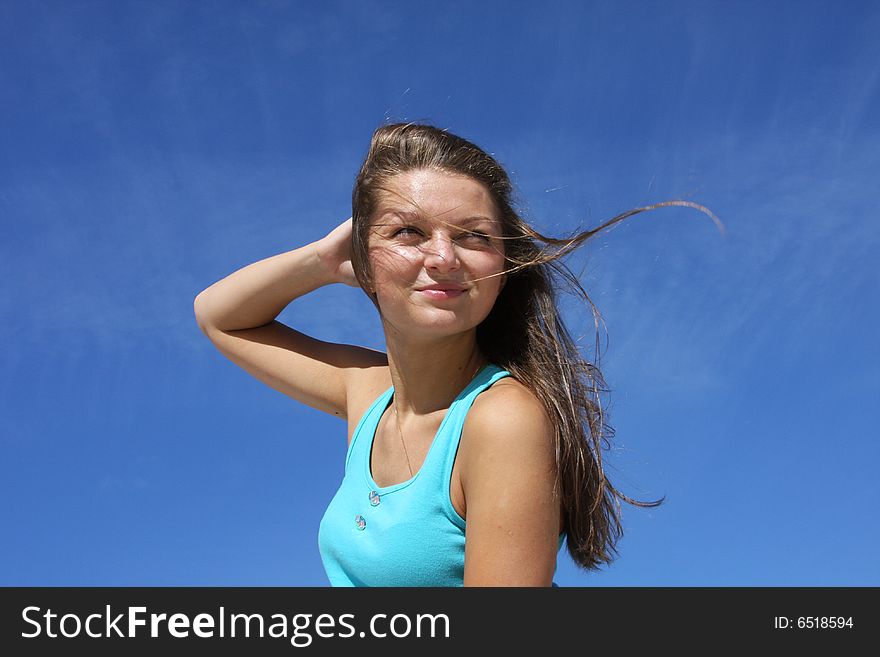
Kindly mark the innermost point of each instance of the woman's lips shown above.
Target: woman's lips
(442, 294)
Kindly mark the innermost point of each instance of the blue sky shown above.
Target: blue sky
(149, 149)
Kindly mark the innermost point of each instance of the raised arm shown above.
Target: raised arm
(238, 315)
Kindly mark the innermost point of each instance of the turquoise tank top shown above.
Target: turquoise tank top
(407, 534)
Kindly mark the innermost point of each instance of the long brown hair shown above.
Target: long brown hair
(524, 332)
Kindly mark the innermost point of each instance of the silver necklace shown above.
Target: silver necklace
(400, 433)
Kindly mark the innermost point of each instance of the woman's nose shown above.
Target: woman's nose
(440, 254)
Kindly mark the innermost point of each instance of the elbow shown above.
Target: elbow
(199, 311)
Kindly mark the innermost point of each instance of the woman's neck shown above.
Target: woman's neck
(428, 376)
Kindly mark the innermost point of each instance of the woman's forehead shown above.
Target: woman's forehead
(435, 193)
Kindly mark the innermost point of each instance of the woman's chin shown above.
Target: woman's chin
(437, 326)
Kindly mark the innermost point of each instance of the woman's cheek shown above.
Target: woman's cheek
(395, 263)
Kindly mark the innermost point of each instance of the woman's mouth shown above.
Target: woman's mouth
(442, 294)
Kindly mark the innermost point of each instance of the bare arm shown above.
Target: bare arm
(509, 459)
(256, 294)
(238, 315)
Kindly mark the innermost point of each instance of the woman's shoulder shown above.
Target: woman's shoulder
(508, 411)
(507, 394)
(507, 430)
(365, 387)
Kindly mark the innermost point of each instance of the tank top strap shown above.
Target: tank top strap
(437, 467)
(454, 423)
(366, 428)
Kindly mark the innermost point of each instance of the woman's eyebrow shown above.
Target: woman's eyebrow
(416, 217)
(478, 218)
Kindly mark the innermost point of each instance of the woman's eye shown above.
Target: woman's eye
(410, 231)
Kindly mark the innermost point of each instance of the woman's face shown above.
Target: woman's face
(440, 230)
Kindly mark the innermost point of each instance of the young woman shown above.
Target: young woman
(475, 441)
